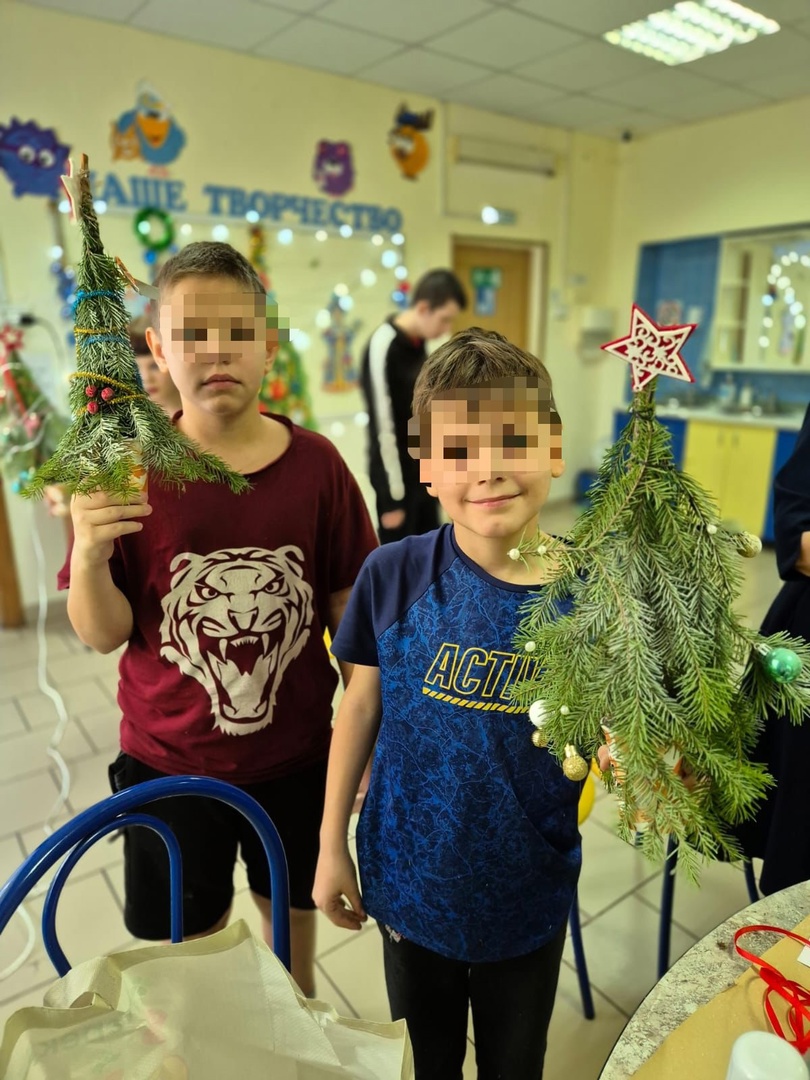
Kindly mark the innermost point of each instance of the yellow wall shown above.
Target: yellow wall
(253, 123)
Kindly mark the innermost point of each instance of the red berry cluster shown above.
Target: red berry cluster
(106, 394)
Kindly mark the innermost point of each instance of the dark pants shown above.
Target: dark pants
(421, 516)
(512, 1002)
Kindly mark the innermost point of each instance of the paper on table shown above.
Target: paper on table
(701, 1047)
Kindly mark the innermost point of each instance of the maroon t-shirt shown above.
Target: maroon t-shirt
(226, 673)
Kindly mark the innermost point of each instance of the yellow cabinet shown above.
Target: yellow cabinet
(734, 463)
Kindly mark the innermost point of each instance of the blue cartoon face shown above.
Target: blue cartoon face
(32, 157)
(333, 169)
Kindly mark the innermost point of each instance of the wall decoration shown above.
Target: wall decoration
(668, 312)
(30, 427)
(257, 254)
(62, 271)
(333, 168)
(409, 147)
(32, 157)
(400, 295)
(149, 132)
(340, 373)
(486, 281)
(284, 390)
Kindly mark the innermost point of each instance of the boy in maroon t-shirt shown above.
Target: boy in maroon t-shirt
(223, 601)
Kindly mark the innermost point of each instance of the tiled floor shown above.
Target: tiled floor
(619, 891)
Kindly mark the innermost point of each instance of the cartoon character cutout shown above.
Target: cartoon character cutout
(409, 147)
(148, 132)
(340, 373)
(32, 157)
(333, 168)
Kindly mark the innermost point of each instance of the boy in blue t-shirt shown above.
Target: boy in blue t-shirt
(468, 845)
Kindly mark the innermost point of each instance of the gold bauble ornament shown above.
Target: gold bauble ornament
(575, 766)
(749, 545)
(538, 738)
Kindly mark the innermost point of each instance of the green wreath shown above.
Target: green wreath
(150, 214)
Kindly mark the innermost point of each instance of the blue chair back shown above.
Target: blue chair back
(119, 812)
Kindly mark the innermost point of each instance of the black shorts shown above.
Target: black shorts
(210, 833)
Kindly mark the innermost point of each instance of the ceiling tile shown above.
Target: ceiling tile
(320, 45)
(580, 111)
(783, 84)
(586, 66)
(503, 94)
(298, 7)
(113, 10)
(662, 85)
(636, 123)
(411, 22)
(239, 25)
(503, 39)
(766, 55)
(724, 100)
(420, 72)
(784, 11)
(591, 16)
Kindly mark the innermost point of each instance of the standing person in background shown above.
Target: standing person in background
(391, 363)
(776, 835)
(156, 383)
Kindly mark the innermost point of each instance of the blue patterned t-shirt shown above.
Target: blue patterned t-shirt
(468, 841)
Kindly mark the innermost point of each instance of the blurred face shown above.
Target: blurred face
(214, 343)
(157, 384)
(491, 465)
(436, 322)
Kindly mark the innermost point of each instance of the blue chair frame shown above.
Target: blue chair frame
(116, 812)
(668, 897)
(579, 959)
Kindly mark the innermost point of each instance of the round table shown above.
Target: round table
(708, 968)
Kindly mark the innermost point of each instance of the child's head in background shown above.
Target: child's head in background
(487, 434)
(156, 383)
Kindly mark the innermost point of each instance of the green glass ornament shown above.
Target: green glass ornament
(783, 665)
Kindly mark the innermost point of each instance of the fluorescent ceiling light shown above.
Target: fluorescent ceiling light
(692, 29)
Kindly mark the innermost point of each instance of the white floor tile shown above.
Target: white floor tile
(621, 947)
(11, 718)
(25, 803)
(357, 969)
(11, 855)
(89, 782)
(610, 868)
(85, 697)
(28, 752)
(103, 728)
(700, 908)
(578, 1048)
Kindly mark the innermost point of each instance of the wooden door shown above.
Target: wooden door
(497, 280)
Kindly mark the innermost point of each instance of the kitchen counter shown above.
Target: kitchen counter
(788, 421)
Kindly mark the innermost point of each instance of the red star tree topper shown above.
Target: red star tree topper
(652, 350)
